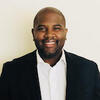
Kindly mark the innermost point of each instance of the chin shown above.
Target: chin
(47, 54)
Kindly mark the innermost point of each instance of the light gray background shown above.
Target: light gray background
(83, 23)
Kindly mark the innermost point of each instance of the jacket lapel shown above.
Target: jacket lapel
(70, 78)
(34, 85)
(74, 90)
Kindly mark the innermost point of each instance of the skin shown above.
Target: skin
(49, 35)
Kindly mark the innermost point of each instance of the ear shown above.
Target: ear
(66, 30)
(33, 33)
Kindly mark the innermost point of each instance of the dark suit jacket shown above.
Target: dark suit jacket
(19, 79)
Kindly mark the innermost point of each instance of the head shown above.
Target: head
(49, 32)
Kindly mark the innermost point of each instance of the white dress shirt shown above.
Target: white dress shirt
(52, 79)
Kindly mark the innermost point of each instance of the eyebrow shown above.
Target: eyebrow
(58, 25)
(40, 26)
(54, 25)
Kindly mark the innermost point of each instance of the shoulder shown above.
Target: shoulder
(80, 61)
(26, 57)
(21, 61)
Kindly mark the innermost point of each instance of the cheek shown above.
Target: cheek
(62, 36)
(39, 36)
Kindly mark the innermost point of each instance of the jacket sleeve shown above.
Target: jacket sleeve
(4, 88)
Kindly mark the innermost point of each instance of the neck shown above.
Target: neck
(52, 61)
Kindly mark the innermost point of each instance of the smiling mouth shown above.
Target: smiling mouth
(50, 43)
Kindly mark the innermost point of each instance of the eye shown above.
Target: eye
(57, 28)
(41, 29)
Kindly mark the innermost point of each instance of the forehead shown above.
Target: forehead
(51, 18)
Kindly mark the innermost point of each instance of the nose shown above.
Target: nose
(49, 34)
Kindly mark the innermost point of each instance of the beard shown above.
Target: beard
(48, 53)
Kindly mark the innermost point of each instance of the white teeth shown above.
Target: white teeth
(50, 43)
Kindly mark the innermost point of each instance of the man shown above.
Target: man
(50, 73)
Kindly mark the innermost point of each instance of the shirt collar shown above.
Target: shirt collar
(39, 59)
(63, 57)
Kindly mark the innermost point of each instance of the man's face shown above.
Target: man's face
(49, 34)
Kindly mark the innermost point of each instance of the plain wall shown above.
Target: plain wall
(82, 18)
